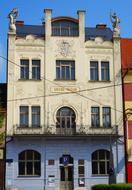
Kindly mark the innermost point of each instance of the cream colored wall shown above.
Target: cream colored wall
(48, 52)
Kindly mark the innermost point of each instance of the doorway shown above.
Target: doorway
(66, 172)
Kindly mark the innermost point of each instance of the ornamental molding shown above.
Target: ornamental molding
(98, 42)
(65, 48)
(29, 40)
(99, 51)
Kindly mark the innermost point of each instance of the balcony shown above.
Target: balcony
(53, 130)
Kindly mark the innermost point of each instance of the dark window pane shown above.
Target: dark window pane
(95, 155)
(36, 156)
(37, 168)
(106, 117)
(22, 156)
(36, 69)
(102, 168)
(81, 162)
(95, 117)
(24, 116)
(29, 168)
(102, 154)
(65, 70)
(36, 116)
(29, 155)
(81, 170)
(62, 173)
(93, 70)
(94, 168)
(21, 168)
(24, 69)
(104, 70)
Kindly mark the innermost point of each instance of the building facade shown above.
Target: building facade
(3, 103)
(65, 116)
(126, 52)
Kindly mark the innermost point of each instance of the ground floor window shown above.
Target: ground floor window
(100, 162)
(29, 163)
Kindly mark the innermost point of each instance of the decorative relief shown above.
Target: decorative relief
(98, 42)
(65, 48)
(99, 51)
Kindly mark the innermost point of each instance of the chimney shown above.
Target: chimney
(19, 22)
(48, 13)
(81, 18)
(101, 26)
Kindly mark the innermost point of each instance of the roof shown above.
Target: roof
(38, 30)
(126, 52)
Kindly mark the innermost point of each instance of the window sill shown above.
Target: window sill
(100, 127)
(28, 176)
(62, 80)
(34, 80)
(100, 81)
(100, 175)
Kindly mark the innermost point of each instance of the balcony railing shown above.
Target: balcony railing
(52, 130)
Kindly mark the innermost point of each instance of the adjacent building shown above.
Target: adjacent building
(3, 103)
(64, 113)
(126, 52)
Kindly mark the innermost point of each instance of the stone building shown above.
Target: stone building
(64, 115)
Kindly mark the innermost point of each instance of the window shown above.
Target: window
(24, 116)
(100, 162)
(106, 117)
(95, 117)
(105, 71)
(65, 118)
(65, 70)
(29, 163)
(36, 69)
(81, 173)
(24, 71)
(94, 70)
(51, 162)
(35, 116)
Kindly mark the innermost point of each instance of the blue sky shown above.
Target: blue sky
(31, 12)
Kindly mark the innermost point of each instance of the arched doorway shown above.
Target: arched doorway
(66, 121)
(66, 172)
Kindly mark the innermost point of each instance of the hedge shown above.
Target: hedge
(121, 186)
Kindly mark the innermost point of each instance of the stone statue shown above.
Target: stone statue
(12, 16)
(115, 22)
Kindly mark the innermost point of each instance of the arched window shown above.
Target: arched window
(100, 162)
(65, 118)
(29, 163)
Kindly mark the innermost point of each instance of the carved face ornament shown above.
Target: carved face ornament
(65, 48)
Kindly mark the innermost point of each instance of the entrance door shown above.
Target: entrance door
(66, 177)
(66, 172)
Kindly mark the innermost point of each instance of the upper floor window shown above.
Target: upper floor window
(95, 117)
(105, 71)
(36, 69)
(100, 162)
(65, 28)
(35, 116)
(24, 116)
(65, 70)
(94, 70)
(24, 71)
(29, 163)
(106, 117)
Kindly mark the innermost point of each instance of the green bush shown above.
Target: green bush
(121, 186)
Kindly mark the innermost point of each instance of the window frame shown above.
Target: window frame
(37, 69)
(25, 115)
(96, 116)
(98, 161)
(65, 67)
(105, 115)
(36, 115)
(24, 69)
(25, 162)
(94, 70)
(105, 71)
